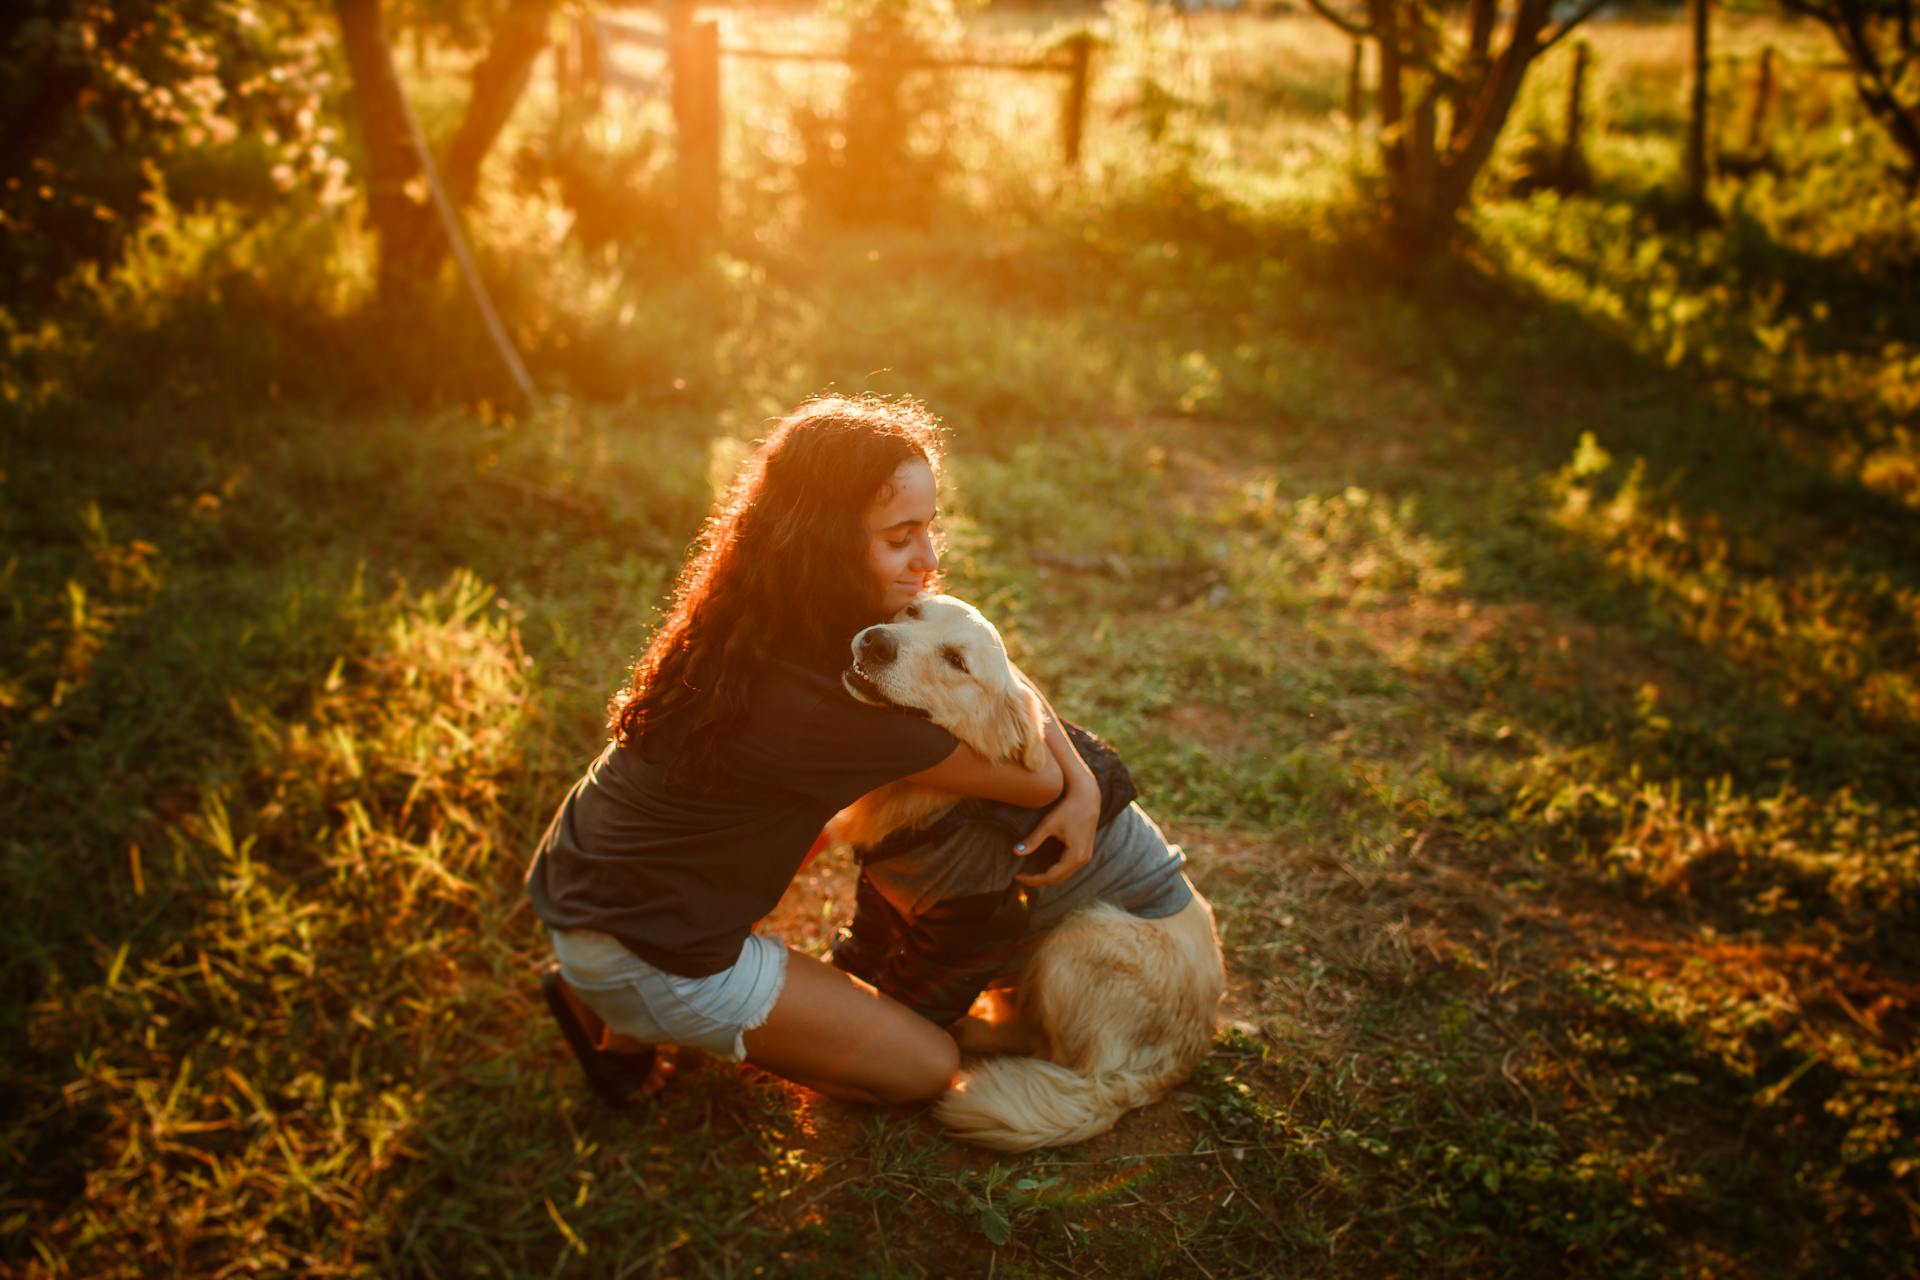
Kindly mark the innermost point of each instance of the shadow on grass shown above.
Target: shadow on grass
(273, 811)
(125, 721)
(1868, 306)
(1505, 386)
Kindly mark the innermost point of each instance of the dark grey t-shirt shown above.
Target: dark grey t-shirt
(679, 876)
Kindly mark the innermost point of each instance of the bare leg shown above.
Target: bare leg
(835, 1034)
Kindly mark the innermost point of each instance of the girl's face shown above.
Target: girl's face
(900, 555)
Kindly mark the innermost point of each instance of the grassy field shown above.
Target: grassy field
(1527, 655)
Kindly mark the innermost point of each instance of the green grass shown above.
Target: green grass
(1524, 652)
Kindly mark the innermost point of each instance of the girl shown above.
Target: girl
(733, 745)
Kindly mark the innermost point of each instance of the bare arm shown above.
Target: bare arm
(966, 772)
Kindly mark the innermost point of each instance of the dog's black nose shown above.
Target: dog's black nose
(877, 646)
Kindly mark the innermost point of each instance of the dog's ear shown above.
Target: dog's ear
(1025, 738)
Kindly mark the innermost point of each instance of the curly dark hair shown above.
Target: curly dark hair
(778, 568)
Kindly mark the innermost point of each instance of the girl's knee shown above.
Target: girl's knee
(945, 1064)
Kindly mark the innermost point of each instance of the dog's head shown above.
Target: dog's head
(941, 657)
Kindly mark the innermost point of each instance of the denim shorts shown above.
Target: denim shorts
(632, 997)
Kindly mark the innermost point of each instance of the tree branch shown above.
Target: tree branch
(1474, 144)
(1559, 33)
(1390, 97)
(518, 38)
(1876, 71)
(1480, 31)
(1352, 26)
(405, 226)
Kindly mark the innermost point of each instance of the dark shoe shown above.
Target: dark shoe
(616, 1077)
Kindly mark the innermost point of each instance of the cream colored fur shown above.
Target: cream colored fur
(1111, 1010)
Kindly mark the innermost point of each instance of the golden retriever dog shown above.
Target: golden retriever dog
(1109, 1010)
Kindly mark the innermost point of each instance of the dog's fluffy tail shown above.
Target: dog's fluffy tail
(1126, 1006)
(1018, 1104)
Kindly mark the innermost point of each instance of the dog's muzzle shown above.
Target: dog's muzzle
(875, 647)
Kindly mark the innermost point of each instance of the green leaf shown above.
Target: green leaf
(994, 1225)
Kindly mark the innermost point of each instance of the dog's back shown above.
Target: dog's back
(1127, 1008)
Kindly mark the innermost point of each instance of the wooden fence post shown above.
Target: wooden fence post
(695, 53)
(567, 66)
(1073, 113)
(593, 58)
(1697, 157)
(1762, 97)
(1572, 157)
(1355, 91)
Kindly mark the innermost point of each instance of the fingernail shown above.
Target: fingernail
(1022, 848)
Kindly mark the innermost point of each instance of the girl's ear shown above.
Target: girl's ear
(1025, 736)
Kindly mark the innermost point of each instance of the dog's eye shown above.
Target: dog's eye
(955, 659)
(913, 611)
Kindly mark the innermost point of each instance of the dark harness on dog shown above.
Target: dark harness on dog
(938, 960)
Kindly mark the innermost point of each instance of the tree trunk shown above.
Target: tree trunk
(515, 44)
(1480, 20)
(412, 244)
(402, 220)
(1356, 83)
(1429, 181)
(1474, 145)
(1393, 150)
(1420, 199)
